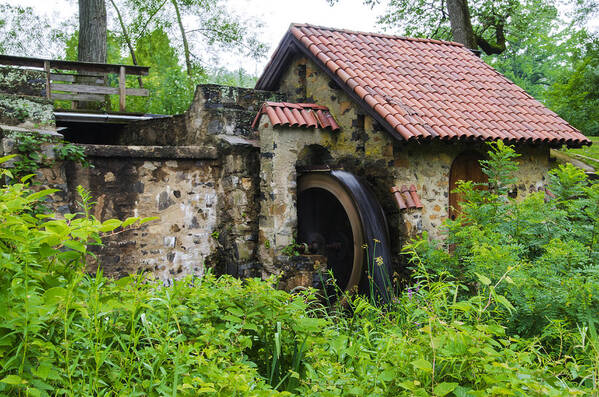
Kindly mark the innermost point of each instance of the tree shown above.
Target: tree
(215, 28)
(461, 26)
(478, 24)
(92, 31)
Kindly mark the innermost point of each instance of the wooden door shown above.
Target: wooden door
(465, 167)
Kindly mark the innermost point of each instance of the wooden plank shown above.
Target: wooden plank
(72, 77)
(137, 92)
(71, 65)
(78, 97)
(97, 89)
(87, 89)
(47, 70)
(122, 90)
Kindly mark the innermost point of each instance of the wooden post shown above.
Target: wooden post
(47, 70)
(122, 93)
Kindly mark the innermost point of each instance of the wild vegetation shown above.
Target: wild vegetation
(506, 305)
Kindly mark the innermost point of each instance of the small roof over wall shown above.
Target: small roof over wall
(307, 115)
(421, 89)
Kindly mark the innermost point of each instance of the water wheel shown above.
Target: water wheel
(337, 217)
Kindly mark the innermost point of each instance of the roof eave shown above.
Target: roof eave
(276, 66)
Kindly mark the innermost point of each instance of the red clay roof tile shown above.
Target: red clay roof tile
(451, 92)
(307, 115)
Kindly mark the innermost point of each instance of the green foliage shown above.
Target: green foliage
(549, 246)
(429, 342)
(538, 44)
(171, 89)
(574, 95)
(66, 332)
(293, 248)
(30, 147)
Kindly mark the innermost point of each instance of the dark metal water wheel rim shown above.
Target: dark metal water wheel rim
(331, 185)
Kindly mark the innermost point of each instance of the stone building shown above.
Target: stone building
(349, 139)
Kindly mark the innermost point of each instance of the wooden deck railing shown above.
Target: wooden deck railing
(86, 81)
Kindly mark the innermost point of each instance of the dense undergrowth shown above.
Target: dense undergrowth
(509, 309)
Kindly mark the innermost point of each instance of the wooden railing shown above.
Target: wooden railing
(86, 81)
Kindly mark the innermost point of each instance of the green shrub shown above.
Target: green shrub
(66, 332)
(551, 243)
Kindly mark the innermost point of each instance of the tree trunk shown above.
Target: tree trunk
(92, 31)
(461, 26)
(92, 42)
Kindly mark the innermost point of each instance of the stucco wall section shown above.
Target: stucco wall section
(279, 151)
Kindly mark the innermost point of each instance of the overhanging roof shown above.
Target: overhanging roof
(421, 89)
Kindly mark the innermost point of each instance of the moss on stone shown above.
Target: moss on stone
(19, 109)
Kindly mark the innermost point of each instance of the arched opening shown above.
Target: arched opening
(329, 224)
(465, 167)
(313, 156)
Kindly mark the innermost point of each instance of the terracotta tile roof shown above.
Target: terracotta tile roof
(406, 198)
(308, 115)
(424, 89)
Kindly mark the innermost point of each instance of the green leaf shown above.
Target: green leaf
(42, 193)
(423, 365)
(75, 245)
(129, 221)
(110, 225)
(483, 279)
(504, 302)
(13, 380)
(148, 219)
(407, 385)
(6, 158)
(444, 388)
(55, 295)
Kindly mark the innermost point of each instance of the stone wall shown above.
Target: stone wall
(178, 187)
(215, 111)
(204, 200)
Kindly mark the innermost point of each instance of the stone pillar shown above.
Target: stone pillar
(278, 181)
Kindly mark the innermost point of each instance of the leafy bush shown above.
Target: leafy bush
(66, 332)
(550, 240)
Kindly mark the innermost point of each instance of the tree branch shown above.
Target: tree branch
(490, 48)
(143, 29)
(127, 40)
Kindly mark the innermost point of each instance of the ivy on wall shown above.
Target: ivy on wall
(32, 149)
